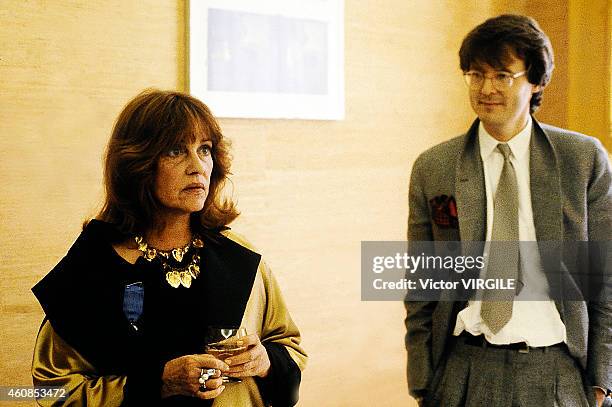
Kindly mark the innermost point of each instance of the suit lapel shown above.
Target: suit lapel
(545, 187)
(470, 189)
(544, 181)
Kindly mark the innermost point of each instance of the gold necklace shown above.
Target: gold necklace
(175, 276)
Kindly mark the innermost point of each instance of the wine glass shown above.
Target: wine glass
(222, 344)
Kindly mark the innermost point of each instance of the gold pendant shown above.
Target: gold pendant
(150, 254)
(142, 245)
(173, 278)
(185, 279)
(194, 270)
(178, 254)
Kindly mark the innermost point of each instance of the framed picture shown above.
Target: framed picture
(268, 58)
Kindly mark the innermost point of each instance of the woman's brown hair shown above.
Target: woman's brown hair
(147, 127)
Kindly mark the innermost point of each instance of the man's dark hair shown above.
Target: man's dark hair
(493, 41)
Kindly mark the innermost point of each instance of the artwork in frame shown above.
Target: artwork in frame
(268, 58)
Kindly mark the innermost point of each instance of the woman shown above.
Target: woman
(128, 307)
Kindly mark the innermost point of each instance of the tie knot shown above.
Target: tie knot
(505, 150)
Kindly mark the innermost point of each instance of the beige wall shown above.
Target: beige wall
(309, 191)
(578, 97)
(589, 65)
(555, 21)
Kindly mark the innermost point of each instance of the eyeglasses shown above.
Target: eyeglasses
(500, 80)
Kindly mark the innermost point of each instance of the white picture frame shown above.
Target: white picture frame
(271, 59)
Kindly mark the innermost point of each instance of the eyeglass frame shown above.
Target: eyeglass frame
(510, 75)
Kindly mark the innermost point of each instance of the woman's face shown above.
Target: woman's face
(182, 178)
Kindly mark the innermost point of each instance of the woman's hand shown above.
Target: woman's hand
(181, 376)
(252, 362)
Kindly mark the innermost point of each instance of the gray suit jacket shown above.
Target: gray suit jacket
(571, 194)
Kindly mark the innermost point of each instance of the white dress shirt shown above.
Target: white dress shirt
(537, 323)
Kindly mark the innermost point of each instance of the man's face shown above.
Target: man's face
(502, 109)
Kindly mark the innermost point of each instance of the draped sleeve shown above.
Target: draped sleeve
(267, 315)
(56, 363)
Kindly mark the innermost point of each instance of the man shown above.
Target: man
(542, 184)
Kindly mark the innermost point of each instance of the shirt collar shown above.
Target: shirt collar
(519, 144)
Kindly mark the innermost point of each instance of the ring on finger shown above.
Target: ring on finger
(204, 375)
